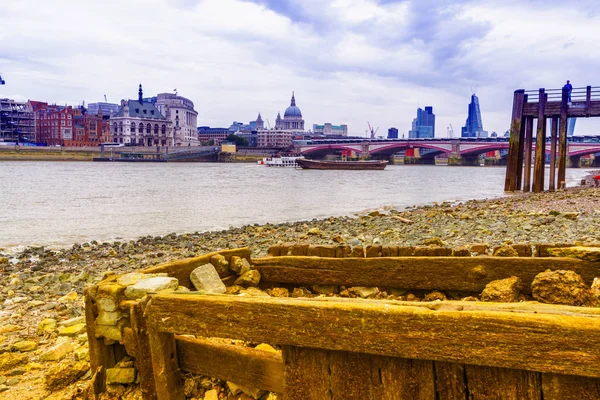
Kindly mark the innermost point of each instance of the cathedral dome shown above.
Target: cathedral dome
(292, 110)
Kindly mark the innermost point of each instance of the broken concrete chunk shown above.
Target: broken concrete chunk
(145, 286)
(206, 278)
(57, 352)
(240, 265)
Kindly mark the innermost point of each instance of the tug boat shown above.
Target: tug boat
(346, 165)
(280, 161)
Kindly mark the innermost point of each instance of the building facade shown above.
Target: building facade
(184, 118)
(212, 136)
(89, 129)
(106, 109)
(140, 123)
(274, 138)
(474, 125)
(424, 125)
(53, 124)
(292, 118)
(392, 133)
(17, 121)
(328, 129)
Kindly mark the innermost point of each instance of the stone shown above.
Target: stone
(72, 330)
(46, 325)
(110, 332)
(266, 347)
(9, 361)
(249, 279)
(301, 292)
(212, 394)
(69, 298)
(364, 292)
(278, 292)
(8, 328)
(479, 249)
(108, 318)
(253, 291)
(205, 278)
(120, 375)
(82, 354)
(145, 286)
(62, 374)
(314, 231)
(461, 252)
(3, 379)
(57, 352)
(240, 265)
(561, 287)
(435, 296)
(131, 278)
(503, 290)
(505, 251)
(595, 289)
(72, 321)
(25, 345)
(233, 388)
(221, 265)
(12, 381)
(581, 252)
(325, 289)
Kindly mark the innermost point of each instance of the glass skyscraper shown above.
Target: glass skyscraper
(392, 133)
(424, 125)
(474, 125)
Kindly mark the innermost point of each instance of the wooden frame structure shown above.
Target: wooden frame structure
(541, 105)
(339, 348)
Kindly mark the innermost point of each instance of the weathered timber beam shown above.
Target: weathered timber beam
(540, 146)
(469, 274)
(167, 375)
(528, 152)
(510, 182)
(553, 136)
(588, 101)
(562, 147)
(519, 177)
(565, 344)
(245, 366)
(181, 269)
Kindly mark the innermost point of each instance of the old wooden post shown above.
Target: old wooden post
(562, 148)
(540, 145)
(510, 182)
(553, 133)
(519, 177)
(588, 101)
(528, 153)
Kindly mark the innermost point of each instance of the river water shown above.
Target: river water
(61, 203)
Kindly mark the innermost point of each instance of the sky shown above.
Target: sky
(348, 61)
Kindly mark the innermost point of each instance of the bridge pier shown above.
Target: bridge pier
(494, 161)
(464, 161)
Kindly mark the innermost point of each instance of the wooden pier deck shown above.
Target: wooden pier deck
(542, 105)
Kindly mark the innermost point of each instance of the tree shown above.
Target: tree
(238, 140)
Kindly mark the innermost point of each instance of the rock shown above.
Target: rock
(253, 291)
(120, 375)
(8, 328)
(503, 290)
(314, 231)
(595, 289)
(561, 287)
(62, 374)
(11, 360)
(435, 296)
(205, 278)
(325, 289)
(240, 265)
(301, 292)
(46, 325)
(434, 242)
(3, 379)
(72, 330)
(69, 298)
(24, 346)
(479, 249)
(72, 321)
(266, 347)
(12, 381)
(212, 394)
(364, 292)
(131, 278)
(278, 292)
(221, 265)
(581, 252)
(505, 251)
(233, 388)
(145, 286)
(249, 279)
(57, 352)
(82, 354)
(108, 318)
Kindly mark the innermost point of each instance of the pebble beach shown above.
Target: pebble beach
(41, 290)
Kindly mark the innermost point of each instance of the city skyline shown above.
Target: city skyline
(353, 62)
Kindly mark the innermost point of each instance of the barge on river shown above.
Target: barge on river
(346, 165)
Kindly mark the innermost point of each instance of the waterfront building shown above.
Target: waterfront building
(183, 116)
(392, 133)
(328, 129)
(212, 136)
(424, 125)
(292, 118)
(474, 125)
(278, 138)
(53, 123)
(89, 129)
(17, 121)
(140, 123)
(106, 109)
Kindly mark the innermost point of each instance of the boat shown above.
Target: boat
(280, 161)
(347, 165)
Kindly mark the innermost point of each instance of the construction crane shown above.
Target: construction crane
(106, 101)
(373, 132)
(2, 81)
(450, 131)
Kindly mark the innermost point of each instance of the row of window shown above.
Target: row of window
(119, 128)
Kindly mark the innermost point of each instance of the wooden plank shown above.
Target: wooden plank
(489, 383)
(519, 171)
(554, 130)
(315, 374)
(528, 152)
(562, 147)
(181, 269)
(558, 343)
(450, 381)
(143, 362)
(540, 146)
(588, 101)
(513, 146)
(566, 387)
(245, 366)
(469, 274)
(167, 377)
(101, 355)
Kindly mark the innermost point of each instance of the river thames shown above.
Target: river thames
(61, 203)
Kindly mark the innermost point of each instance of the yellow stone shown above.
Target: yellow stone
(266, 347)
(46, 325)
(9, 328)
(25, 346)
(581, 252)
(69, 297)
(72, 330)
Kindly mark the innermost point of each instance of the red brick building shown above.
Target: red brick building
(53, 124)
(89, 129)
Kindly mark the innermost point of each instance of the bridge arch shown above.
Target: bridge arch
(329, 149)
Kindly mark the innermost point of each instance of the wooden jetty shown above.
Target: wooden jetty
(340, 348)
(543, 105)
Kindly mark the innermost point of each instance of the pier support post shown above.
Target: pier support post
(540, 145)
(519, 178)
(553, 133)
(510, 182)
(562, 147)
(528, 153)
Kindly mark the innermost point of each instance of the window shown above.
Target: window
(62, 123)
(69, 116)
(121, 127)
(155, 128)
(115, 127)
(148, 128)
(93, 125)
(164, 129)
(141, 128)
(132, 127)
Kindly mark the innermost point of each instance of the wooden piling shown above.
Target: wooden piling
(519, 177)
(588, 101)
(562, 148)
(513, 147)
(553, 133)
(540, 145)
(528, 152)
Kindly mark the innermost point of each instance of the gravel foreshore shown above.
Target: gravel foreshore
(38, 284)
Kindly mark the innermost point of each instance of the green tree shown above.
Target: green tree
(238, 140)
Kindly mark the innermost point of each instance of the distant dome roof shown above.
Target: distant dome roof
(292, 110)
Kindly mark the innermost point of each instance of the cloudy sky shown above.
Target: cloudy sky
(348, 61)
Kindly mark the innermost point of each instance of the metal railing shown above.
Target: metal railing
(577, 94)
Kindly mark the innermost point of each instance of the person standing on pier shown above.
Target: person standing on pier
(569, 88)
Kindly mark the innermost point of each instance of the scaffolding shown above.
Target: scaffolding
(17, 122)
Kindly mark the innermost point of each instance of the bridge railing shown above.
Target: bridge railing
(577, 94)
